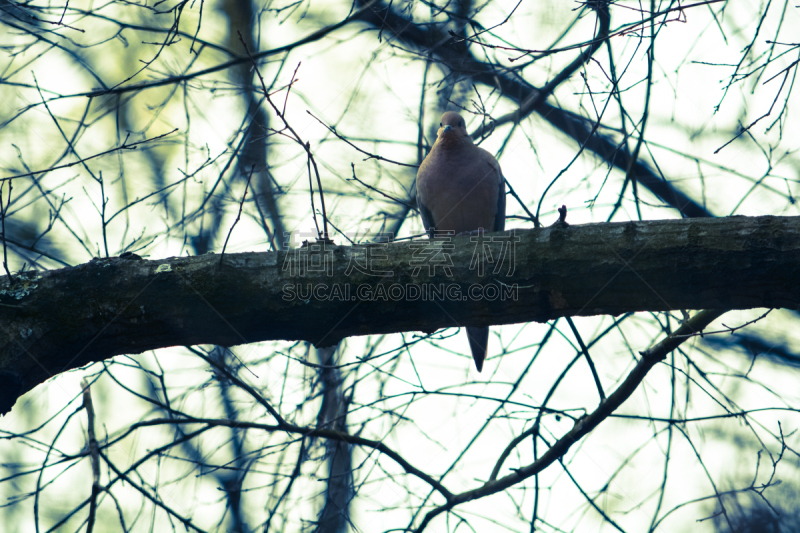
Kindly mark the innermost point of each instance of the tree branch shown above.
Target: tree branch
(56, 320)
(587, 423)
(432, 40)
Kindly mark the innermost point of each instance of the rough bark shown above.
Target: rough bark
(56, 320)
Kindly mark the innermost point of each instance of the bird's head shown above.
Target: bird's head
(453, 129)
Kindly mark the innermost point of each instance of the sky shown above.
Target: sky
(370, 88)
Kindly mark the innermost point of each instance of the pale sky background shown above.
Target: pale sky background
(371, 90)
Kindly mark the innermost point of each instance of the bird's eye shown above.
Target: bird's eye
(440, 124)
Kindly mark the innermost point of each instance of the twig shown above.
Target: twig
(296, 137)
(238, 215)
(305, 432)
(392, 198)
(532, 217)
(368, 154)
(587, 423)
(728, 329)
(3, 210)
(539, 96)
(94, 453)
(757, 120)
(37, 251)
(624, 30)
(103, 203)
(125, 146)
(585, 352)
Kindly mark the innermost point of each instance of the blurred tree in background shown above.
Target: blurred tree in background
(151, 127)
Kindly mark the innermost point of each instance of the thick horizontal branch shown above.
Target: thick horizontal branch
(56, 320)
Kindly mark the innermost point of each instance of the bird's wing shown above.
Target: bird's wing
(500, 216)
(427, 217)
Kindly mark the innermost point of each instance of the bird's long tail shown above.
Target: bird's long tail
(478, 342)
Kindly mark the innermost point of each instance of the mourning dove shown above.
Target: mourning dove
(460, 188)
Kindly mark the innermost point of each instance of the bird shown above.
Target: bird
(460, 188)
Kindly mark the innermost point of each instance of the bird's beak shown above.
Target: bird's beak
(447, 128)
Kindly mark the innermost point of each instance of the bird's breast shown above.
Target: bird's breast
(460, 192)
